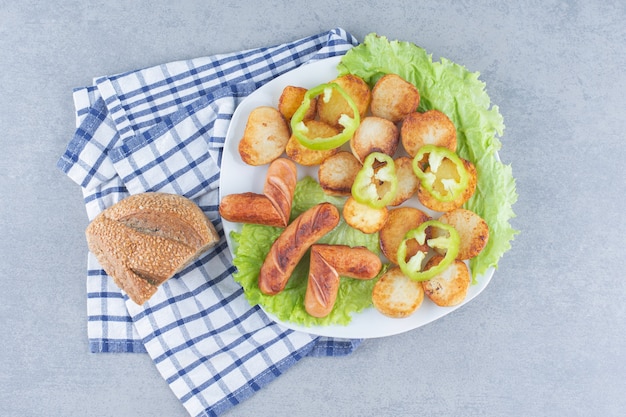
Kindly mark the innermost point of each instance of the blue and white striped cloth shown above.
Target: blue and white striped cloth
(163, 129)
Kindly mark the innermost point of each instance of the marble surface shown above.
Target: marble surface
(546, 338)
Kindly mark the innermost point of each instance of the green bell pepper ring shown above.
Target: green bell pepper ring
(431, 157)
(413, 267)
(376, 183)
(350, 124)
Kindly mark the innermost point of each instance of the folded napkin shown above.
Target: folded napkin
(163, 129)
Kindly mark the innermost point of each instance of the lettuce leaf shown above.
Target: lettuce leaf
(457, 92)
(254, 242)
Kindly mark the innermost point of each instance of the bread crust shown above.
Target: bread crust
(145, 239)
(292, 244)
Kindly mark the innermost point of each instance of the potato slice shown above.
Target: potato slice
(395, 295)
(394, 98)
(448, 170)
(374, 134)
(363, 217)
(265, 136)
(407, 180)
(448, 288)
(337, 172)
(400, 220)
(291, 98)
(473, 231)
(330, 111)
(430, 128)
(309, 157)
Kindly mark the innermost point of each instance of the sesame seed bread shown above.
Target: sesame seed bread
(145, 239)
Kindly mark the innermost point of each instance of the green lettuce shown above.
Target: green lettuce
(253, 244)
(457, 92)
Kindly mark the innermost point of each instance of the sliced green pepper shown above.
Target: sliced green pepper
(376, 183)
(428, 161)
(350, 124)
(413, 267)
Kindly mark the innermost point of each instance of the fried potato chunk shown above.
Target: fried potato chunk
(394, 98)
(449, 287)
(374, 134)
(330, 111)
(265, 136)
(473, 231)
(407, 180)
(399, 221)
(447, 170)
(429, 128)
(291, 98)
(310, 157)
(363, 217)
(336, 173)
(395, 295)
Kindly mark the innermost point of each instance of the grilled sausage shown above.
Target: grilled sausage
(328, 264)
(250, 208)
(273, 207)
(292, 244)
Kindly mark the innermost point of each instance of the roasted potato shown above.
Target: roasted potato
(395, 295)
(448, 170)
(394, 98)
(330, 111)
(430, 128)
(265, 136)
(309, 157)
(448, 288)
(337, 172)
(291, 98)
(374, 134)
(363, 217)
(407, 180)
(399, 221)
(473, 231)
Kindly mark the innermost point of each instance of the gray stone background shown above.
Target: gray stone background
(546, 338)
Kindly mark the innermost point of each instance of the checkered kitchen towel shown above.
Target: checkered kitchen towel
(163, 129)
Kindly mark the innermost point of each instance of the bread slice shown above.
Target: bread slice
(145, 239)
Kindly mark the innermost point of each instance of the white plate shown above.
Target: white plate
(238, 177)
